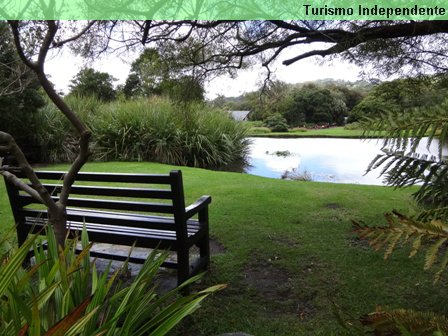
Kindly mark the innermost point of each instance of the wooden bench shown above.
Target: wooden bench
(125, 209)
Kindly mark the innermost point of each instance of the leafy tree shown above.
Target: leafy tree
(147, 72)
(154, 74)
(314, 104)
(183, 89)
(402, 94)
(220, 101)
(20, 98)
(350, 95)
(89, 82)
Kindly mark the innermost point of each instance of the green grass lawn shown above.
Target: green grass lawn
(289, 254)
(336, 132)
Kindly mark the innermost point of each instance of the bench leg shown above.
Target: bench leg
(183, 266)
(204, 250)
(204, 243)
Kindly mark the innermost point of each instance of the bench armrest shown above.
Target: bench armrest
(197, 206)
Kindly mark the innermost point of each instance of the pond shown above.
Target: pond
(319, 159)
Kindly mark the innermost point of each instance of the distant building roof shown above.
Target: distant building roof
(239, 115)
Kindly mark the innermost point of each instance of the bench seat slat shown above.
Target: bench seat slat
(122, 234)
(111, 191)
(103, 177)
(192, 226)
(109, 204)
(110, 218)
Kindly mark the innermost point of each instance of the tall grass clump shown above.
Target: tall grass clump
(158, 130)
(210, 138)
(56, 133)
(152, 129)
(135, 130)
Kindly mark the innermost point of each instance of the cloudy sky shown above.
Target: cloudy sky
(63, 67)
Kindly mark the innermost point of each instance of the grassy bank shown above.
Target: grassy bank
(332, 132)
(287, 254)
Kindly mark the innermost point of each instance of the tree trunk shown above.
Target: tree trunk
(57, 218)
(57, 213)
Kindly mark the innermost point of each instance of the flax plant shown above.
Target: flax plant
(153, 129)
(64, 294)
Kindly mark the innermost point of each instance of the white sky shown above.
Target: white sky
(64, 66)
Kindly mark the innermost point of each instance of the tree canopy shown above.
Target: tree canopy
(19, 93)
(390, 46)
(402, 94)
(154, 73)
(89, 82)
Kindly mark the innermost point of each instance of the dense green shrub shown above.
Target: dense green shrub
(56, 133)
(148, 130)
(276, 123)
(353, 126)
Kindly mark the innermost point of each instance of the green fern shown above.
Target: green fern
(400, 230)
(401, 165)
(402, 170)
(403, 131)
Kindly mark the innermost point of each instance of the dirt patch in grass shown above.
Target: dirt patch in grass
(357, 242)
(284, 240)
(216, 247)
(275, 288)
(332, 206)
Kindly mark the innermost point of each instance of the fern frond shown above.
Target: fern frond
(431, 254)
(416, 245)
(394, 239)
(404, 130)
(402, 170)
(394, 322)
(399, 163)
(433, 214)
(443, 265)
(402, 230)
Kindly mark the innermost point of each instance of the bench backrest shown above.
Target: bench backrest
(155, 194)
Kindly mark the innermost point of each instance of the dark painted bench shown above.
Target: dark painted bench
(125, 209)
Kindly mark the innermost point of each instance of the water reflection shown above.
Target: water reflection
(323, 159)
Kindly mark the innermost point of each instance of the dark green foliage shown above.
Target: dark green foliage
(132, 86)
(64, 294)
(89, 82)
(19, 95)
(325, 102)
(350, 95)
(314, 104)
(400, 95)
(148, 130)
(55, 131)
(401, 165)
(184, 89)
(276, 123)
(155, 74)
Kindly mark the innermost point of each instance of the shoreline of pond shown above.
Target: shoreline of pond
(325, 136)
